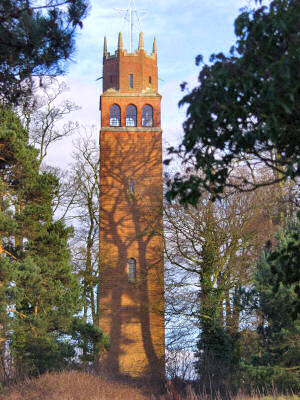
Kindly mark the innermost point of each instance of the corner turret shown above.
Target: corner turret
(154, 50)
(141, 41)
(105, 48)
(120, 42)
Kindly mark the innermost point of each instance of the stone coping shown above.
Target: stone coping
(115, 93)
(129, 129)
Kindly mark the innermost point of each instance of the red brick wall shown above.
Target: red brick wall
(139, 101)
(131, 313)
(111, 73)
(131, 226)
(122, 64)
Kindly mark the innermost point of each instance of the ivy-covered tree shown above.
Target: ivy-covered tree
(210, 252)
(36, 38)
(277, 359)
(245, 109)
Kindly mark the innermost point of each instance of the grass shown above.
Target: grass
(76, 385)
(71, 386)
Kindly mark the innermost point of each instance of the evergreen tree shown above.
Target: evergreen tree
(89, 339)
(278, 357)
(45, 292)
(39, 292)
(285, 265)
(36, 38)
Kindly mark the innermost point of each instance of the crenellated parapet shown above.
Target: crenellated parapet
(130, 72)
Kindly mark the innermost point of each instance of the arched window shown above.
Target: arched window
(147, 115)
(115, 115)
(131, 271)
(131, 115)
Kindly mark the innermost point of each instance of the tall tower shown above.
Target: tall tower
(131, 245)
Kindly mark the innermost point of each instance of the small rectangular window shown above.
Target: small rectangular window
(131, 81)
(150, 80)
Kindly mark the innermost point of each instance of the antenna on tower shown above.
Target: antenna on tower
(130, 14)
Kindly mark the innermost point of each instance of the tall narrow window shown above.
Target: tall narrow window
(131, 269)
(115, 115)
(131, 186)
(131, 115)
(147, 115)
(131, 81)
(150, 80)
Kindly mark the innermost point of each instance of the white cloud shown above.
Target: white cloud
(85, 95)
(183, 30)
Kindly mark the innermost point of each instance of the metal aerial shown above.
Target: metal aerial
(130, 16)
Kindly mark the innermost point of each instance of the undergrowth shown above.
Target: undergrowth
(76, 385)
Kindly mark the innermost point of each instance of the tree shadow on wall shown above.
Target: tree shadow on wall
(131, 311)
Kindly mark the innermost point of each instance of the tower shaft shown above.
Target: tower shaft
(131, 245)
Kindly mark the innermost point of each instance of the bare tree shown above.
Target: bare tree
(43, 116)
(83, 211)
(210, 253)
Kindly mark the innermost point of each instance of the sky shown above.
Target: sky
(183, 30)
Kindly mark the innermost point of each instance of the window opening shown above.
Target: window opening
(147, 115)
(131, 115)
(150, 80)
(131, 81)
(131, 186)
(131, 269)
(115, 115)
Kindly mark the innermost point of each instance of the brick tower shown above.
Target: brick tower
(131, 246)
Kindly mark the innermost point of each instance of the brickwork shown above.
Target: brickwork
(123, 100)
(118, 67)
(131, 311)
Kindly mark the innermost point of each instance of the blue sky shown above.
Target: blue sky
(183, 30)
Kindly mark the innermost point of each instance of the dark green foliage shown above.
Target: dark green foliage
(218, 356)
(218, 350)
(277, 359)
(285, 264)
(246, 107)
(218, 344)
(39, 292)
(35, 40)
(37, 350)
(89, 339)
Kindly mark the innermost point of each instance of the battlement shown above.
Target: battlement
(107, 55)
(130, 72)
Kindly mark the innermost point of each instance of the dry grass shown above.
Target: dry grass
(190, 394)
(72, 386)
(82, 386)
